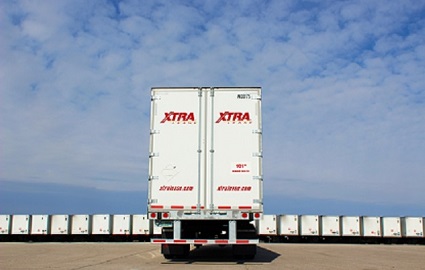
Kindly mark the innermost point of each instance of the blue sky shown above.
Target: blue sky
(343, 98)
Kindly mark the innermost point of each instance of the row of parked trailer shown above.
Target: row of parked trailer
(341, 226)
(275, 228)
(76, 225)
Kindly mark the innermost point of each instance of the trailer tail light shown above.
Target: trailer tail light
(153, 215)
(257, 216)
(245, 215)
(165, 215)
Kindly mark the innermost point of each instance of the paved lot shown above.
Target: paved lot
(269, 256)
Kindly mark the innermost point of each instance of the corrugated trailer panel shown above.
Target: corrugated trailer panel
(267, 225)
(4, 224)
(412, 227)
(371, 227)
(140, 225)
(350, 225)
(330, 226)
(309, 225)
(80, 224)
(121, 224)
(288, 225)
(101, 224)
(40, 224)
(20, 224)
(391, 227)
(205, 150)
(60, 224)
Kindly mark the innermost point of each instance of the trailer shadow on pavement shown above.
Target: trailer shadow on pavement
(215, 254)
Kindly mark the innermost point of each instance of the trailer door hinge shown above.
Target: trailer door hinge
(153, 178)
(255, 97)
(156, 98)
(153, 201)
(154, 131)
(257, 177)
(257, 154)
(257, 201)
(153, 154)
(257, 131)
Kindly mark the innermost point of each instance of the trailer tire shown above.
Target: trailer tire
(175, 251)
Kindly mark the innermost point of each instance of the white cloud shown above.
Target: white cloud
(343, 89)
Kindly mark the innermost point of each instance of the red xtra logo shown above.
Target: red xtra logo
(179, 117)
(234, 117)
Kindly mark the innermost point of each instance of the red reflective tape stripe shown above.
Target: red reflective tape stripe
(221, 241)
(179, 241)
(158, 241)
(242, 241)
(201, 241)
(224, 207)
(157, 206)
(194, 207)
(177, 207)
(245, 207)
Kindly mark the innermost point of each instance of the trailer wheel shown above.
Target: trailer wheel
(168, 256)
(175, 251)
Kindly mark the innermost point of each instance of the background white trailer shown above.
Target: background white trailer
(40, 224)
(20, 224)
(60, 224)
(391, 227)
(267, 225)
(4, 224)
(350, 225)
(288, 225)
(330, 226)
(309, 225)
(101, 224)
(413, 227)
(140, 225)
(121, 224)
(80, 224)
(371, 227)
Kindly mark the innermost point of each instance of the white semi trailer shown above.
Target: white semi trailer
(205, 168)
